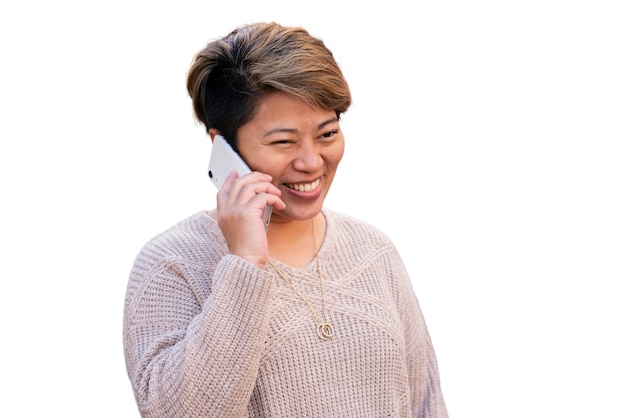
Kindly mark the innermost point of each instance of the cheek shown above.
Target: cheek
(336, 155)
(269, 164)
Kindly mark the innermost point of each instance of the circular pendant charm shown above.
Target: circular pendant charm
(325, 331)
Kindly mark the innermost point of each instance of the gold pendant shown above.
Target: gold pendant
(325, 331)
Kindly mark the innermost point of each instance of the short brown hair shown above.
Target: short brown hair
(230, 74)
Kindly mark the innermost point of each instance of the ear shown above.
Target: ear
(212, 133)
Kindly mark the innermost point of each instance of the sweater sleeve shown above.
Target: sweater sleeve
(189, 355)
(426, 396)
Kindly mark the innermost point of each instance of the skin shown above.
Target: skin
(294, 150)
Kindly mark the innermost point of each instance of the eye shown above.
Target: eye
(281, 142)
(329, 134)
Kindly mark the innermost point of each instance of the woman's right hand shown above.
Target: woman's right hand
(240, 205)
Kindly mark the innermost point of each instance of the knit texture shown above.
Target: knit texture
(207, 334)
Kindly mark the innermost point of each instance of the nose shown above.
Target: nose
(308, 158)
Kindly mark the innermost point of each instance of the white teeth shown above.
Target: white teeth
(304, 187)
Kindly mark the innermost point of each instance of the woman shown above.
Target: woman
(313, 317)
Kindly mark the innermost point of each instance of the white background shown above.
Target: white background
(486, 138)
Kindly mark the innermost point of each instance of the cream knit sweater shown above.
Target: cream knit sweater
(207, 334)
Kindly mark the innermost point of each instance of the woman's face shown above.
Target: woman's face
(299, 146)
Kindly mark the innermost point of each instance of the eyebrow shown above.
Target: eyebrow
(292, 130)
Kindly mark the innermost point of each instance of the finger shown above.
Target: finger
(261, 200)
(229, 181)
(239, 190)
(241, 197)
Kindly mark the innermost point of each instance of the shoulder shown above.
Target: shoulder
(181, 257)
(357, 249)
(191, 239)
(356, 229)
(353, 241)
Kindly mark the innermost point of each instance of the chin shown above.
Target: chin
(298, 214)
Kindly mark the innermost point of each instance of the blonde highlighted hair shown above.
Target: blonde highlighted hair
(230, 75)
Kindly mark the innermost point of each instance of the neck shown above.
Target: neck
(292, 242)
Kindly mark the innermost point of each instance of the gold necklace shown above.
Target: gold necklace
(324, 329)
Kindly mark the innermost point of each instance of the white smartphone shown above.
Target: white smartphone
(224, 159)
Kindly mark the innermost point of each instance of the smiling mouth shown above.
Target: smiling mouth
(304, 187)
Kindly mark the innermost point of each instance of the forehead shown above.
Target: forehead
(282, 107)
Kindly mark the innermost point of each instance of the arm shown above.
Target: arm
(191, 358)
(426, 397)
